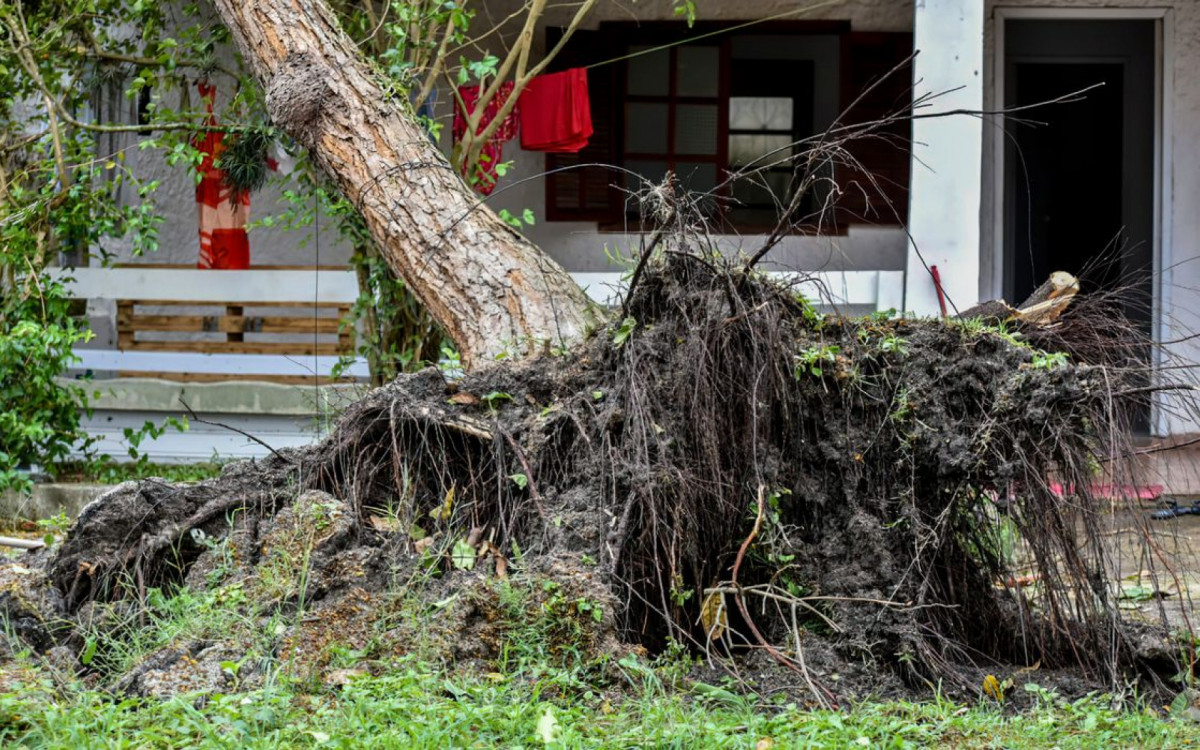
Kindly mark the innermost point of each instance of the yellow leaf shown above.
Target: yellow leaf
(110, 164)
(713, 615)
(766, 743)
(442, 512)
(993, 688)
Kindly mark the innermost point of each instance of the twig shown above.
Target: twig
(192, 415)
(737, 596)
(533, 490)
(637, 272)
(8, 541)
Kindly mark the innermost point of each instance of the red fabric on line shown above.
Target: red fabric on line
(223, 212)
(492, 152)
(556, 113)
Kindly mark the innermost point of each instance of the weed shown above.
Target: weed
(814, 360)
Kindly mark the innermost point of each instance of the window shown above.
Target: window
(722, 103)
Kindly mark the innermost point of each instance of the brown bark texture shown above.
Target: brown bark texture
(492, 290)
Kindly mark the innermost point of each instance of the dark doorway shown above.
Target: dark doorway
(1079, 189)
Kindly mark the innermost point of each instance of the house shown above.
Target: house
(992, 202)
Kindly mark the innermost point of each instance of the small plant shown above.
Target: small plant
(451, 363)
(135, 438)
(624, 331)
(1048, 360)
(494, 399)
(813, 360)
(54, 527)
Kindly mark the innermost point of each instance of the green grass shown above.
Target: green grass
(549, 687)
(110, 472)
(415, 704)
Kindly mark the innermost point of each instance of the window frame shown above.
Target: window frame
(616, 36)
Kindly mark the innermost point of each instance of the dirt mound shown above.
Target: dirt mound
(723, 467)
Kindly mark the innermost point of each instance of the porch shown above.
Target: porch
(270, 352)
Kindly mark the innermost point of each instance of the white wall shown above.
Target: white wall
(943, 217)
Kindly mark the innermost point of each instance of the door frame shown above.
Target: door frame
(1164, 90)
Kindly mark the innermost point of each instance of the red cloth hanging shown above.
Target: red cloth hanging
(492, 153)
(223, 212)
(556, 113)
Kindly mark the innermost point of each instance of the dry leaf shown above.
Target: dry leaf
(713, 615)
(766, 743)
(501, 566)
(423, 545)
(462, 398)
(340, 677)
(474, 537)
(386, 524)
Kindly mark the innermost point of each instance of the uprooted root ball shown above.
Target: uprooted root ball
(733, 469)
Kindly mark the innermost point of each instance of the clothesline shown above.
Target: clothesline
(716, 32)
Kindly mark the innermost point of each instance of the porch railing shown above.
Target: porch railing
(878, 290)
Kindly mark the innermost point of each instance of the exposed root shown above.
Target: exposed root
(863, 488)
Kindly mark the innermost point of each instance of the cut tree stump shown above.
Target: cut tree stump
(1043, 307)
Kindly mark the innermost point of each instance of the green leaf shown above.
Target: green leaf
(624, 331)
(520, 480)
(89, 652)
(463, 555)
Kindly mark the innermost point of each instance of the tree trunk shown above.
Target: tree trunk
(490, 289)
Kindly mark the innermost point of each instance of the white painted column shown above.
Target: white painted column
(947, 178)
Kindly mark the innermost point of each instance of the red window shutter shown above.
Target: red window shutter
(878, 192)
(588, 193)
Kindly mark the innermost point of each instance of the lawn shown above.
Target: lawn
(417, 704)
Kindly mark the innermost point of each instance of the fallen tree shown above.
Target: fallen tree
(489, 288)
(725, 468)
(853, 501)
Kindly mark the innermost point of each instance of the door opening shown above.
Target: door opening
(1079, 184)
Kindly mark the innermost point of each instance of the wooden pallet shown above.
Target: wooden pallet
(234, 331)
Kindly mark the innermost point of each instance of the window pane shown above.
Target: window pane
(649, 74)
(750, 149)
(696, 129)
(645, 128)
(697, 178)
(762, 190)
(654, 171)
(698, 69)
(760, 113)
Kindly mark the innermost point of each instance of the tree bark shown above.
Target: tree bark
(490, 289)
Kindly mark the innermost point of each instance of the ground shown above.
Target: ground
(724, 519)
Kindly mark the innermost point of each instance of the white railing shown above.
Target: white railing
(300, 286)
(879, 290)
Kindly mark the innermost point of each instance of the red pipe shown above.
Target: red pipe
(937, 283)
